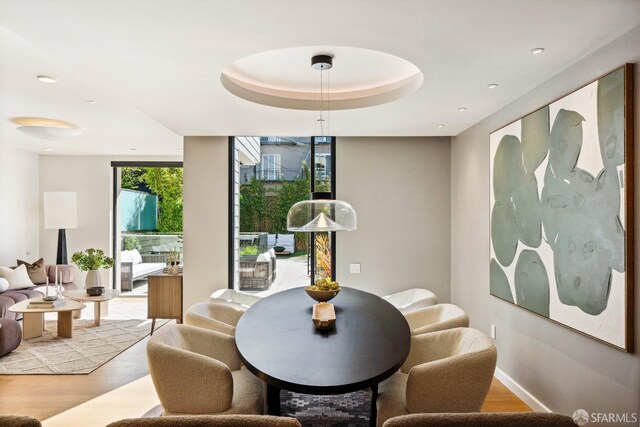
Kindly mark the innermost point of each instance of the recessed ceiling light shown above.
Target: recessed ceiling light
(536, 50)
(47, 149)
(180, 149)
(492, 86)
(91, 101)
(440, 125)
(461, 109)
(46, 79)
(133, 149)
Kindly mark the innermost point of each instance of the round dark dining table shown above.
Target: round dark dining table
(279, 343)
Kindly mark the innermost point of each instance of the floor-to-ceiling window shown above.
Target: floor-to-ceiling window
(267, 176)
(147, 223)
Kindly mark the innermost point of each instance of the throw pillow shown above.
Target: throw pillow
(36, 271)
(264, 257)
(136, 258)
(125, 256)
(4, 284)
(18, 278)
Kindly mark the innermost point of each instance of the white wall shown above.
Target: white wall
(90, 178)
(19, 205)
(206, 217)
(400, 189)
(563, 369)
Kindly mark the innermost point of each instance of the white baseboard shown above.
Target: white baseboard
(520, 391)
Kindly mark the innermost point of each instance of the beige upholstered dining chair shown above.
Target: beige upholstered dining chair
(18, 421)
(412, 299)
(238, 299)
(209, 421)
(197, 371)
(487, 419)
(436, 318)
(216, 317)
(446, 371)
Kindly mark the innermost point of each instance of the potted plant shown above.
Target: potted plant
(91, 261)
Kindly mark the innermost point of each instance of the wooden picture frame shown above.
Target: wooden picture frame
(562, 214)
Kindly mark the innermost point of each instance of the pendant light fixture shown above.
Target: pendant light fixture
(322, 64)
(321, 214)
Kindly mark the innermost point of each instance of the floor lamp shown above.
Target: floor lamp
(61, 213)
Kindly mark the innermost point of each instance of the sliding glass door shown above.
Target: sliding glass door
(147, 222)
(267, 175)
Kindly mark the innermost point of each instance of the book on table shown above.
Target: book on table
(42, 304)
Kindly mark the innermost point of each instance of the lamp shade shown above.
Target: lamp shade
(321, 215)
(60, 210)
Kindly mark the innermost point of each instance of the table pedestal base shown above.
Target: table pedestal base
(373, 416)
(273, 400)
(33, 325)
(100, 309)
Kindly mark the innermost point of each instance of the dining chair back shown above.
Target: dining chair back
(445, 371)
(436, 318)
(484, 419)
(198, 371)
(216, 317)
(412, 299)
(209, 421)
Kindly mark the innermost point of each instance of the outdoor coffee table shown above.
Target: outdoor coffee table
(33, 320)
(100, 302)
(278, 342)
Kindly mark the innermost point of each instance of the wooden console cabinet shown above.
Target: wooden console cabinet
(164, 299)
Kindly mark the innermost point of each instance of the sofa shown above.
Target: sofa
(135, 266)
(13, 296)
(258, 272)
(10, 330)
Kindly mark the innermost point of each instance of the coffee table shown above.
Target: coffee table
(100, 302)
(279, 343)
(33, 320)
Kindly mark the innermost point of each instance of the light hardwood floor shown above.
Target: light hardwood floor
(43, 396)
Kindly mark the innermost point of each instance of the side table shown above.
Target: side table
(100, 302)
(164, 299)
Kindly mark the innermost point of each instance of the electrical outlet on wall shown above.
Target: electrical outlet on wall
(354, 268)
(493, 331)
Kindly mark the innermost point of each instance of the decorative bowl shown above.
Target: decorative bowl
(321, 296)
(95, 291)
(323, 316)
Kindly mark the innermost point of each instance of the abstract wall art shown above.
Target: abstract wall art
(562, 210)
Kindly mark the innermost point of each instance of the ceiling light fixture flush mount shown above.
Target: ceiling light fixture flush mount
(492, 85)
(43, 128)
(461, 109)
(45, 79)
(322, 64)
(536, 50)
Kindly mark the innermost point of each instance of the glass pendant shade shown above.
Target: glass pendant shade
(321, 215)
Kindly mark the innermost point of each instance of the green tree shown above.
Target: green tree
(289, 193)
(167, 184)
(253, 204)
(131, 178)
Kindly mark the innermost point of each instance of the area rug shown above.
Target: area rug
(90, 347)
(340, 410)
